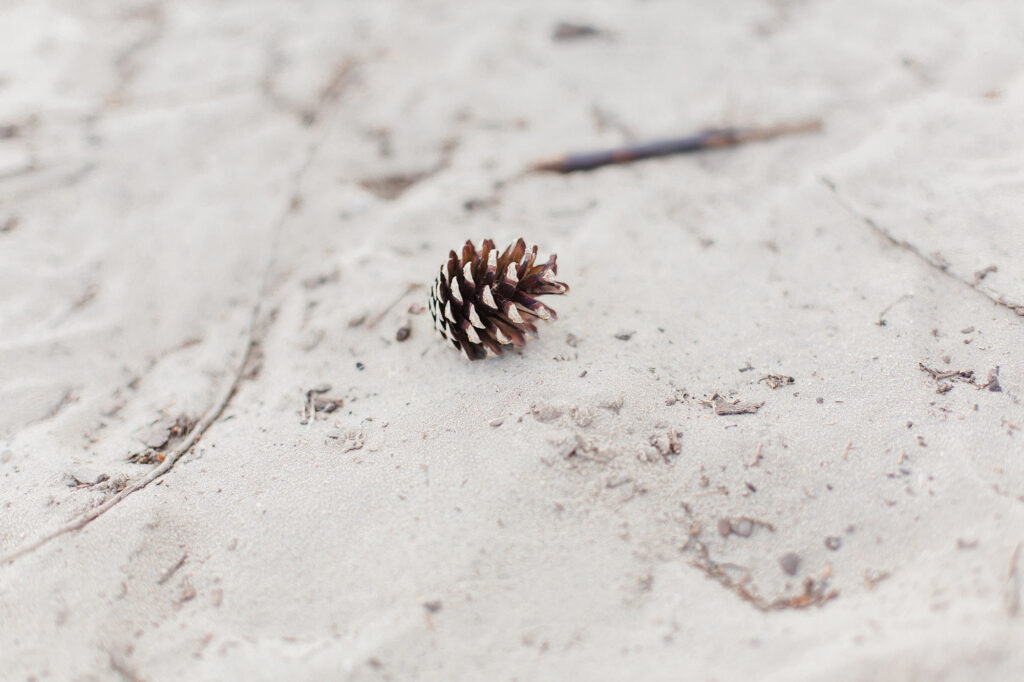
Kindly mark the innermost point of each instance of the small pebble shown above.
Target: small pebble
(360, 366)
(403, 333)
(833, 542)
(790, 563)
(819, 400)
(724, 527)
(743, 527)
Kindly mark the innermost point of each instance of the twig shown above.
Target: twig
(377, 318)
(1013, 583)
(714, 138)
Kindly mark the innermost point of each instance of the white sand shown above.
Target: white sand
(177, 168)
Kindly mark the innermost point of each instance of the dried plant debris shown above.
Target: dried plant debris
(965, 376)
(742, 526)
(816, 592)
(483, 302)
(992, 383)
(724, 407)
(774, 381)
(161, 434)
(317, 403)
(390, 187)
(568, 30)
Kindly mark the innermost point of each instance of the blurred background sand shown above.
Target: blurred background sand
(198, 196)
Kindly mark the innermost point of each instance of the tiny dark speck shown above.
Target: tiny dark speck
(360, 366)
(432, 606)
(819, 400)
(790, 563)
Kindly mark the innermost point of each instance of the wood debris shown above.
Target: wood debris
(724, 407)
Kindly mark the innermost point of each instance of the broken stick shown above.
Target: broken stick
(714, 138)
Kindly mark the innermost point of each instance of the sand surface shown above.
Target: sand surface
(208, 210)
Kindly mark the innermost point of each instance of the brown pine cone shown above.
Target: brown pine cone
(483, 301)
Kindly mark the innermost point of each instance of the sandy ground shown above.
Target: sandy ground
(209, 209)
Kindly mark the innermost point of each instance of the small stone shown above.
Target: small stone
(625, 335)
(833, 542)
(724, 527)
(819, 400)
(403, 333)
(743, 527)
(790, 563)
(360, 366)
(497, 422)
(432, 606)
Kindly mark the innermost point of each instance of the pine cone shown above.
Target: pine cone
(483, 301)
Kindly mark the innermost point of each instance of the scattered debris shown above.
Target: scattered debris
(614, 405)
(567, 30)
(167, 429)
(881, 316)
(351, 440)
(746, 368)
(982, 274)
(815, 593)
(993, 381)
(790, 563)
(723, 407)
(147, 456)
(1013, 583)
(317, 403)
(318, 281)
(546, 412)
(966, 376)
(188, 593)
(872, 578)
(169, 573)
(480, 203)
(715, 138)
(390, 187)
(776, 380)
(742, 525)
(82, 477)
(373, 322)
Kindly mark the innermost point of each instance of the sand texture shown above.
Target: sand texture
(218, 462)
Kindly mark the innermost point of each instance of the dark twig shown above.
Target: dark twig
(714, 138)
